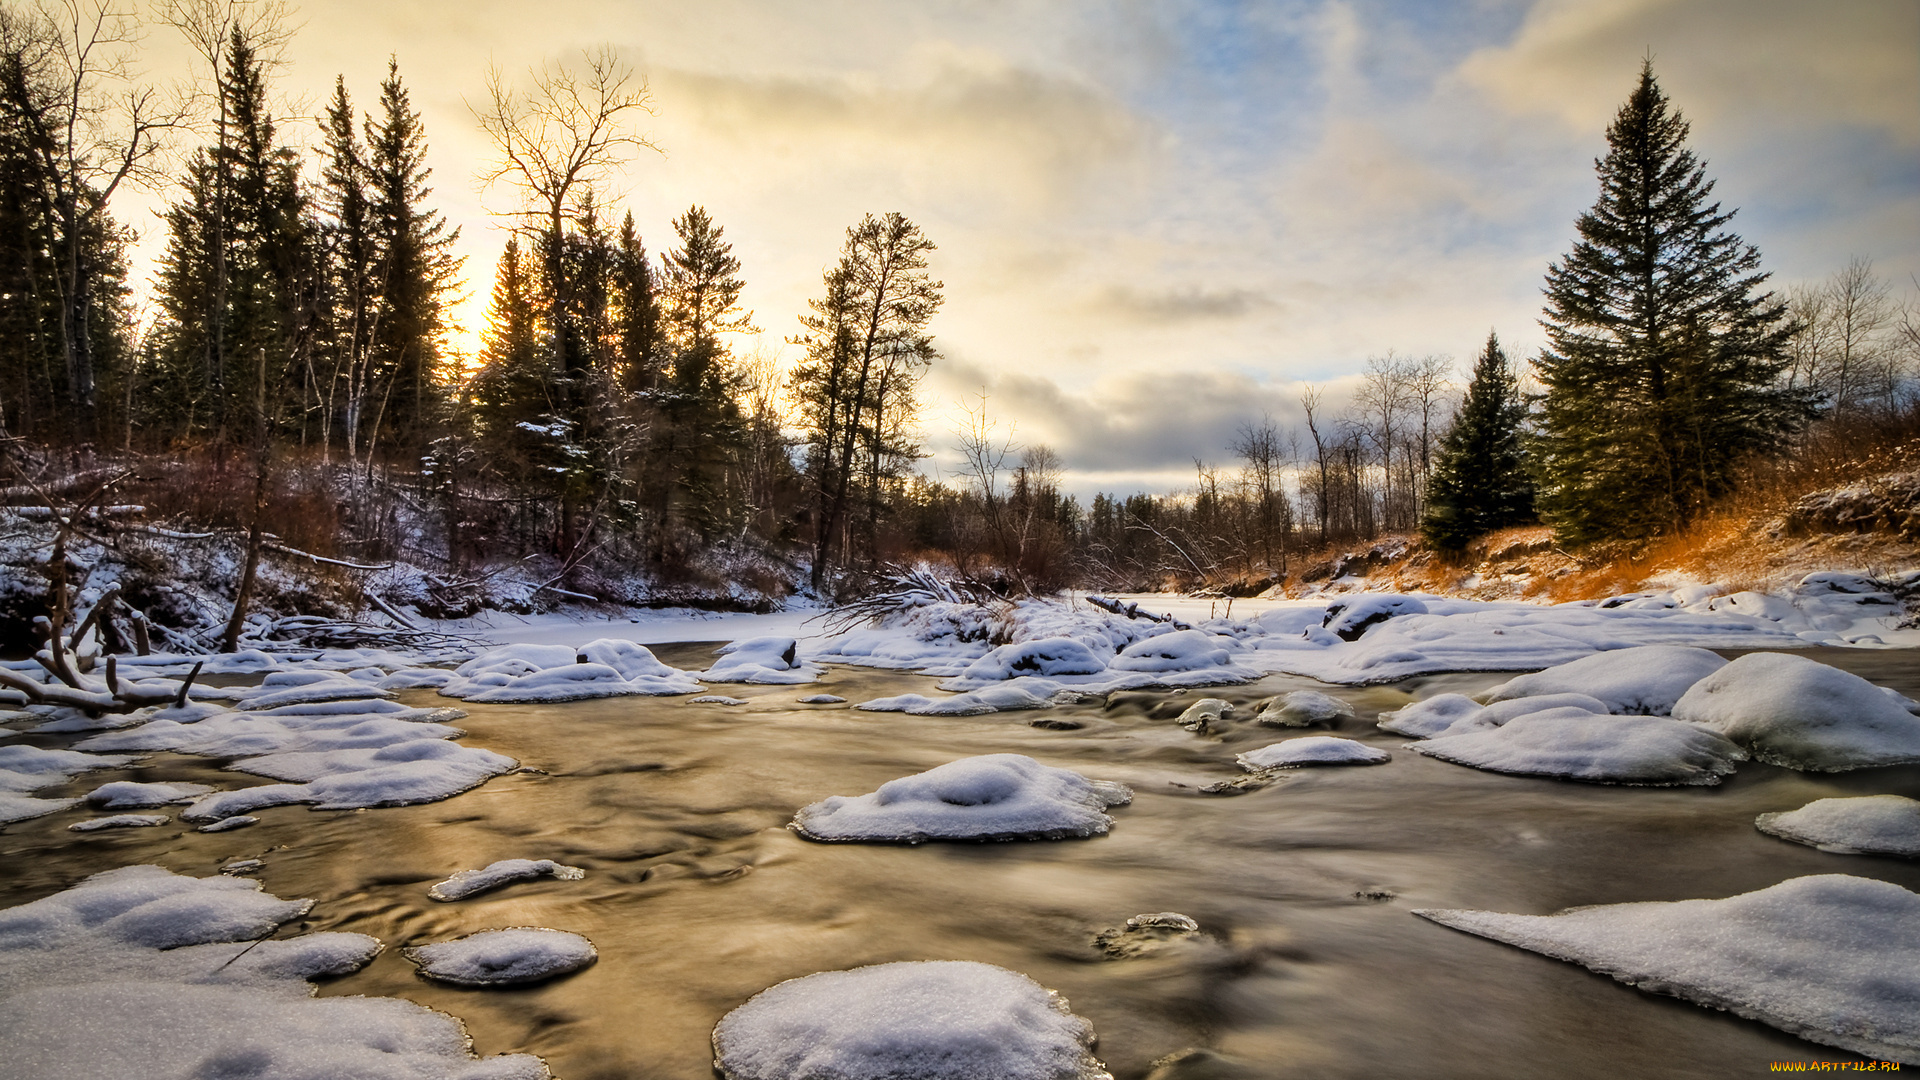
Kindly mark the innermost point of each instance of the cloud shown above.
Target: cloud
(1179, 305)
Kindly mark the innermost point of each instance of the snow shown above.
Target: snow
(990, 797)
(1455, 714)
(605, 667)
(1647, 679)
(1862, 825)
(238, 821)
(505, 872)
(1348, 620)
(1047, 656)
(822, 699)
(1304, 708)
(119, 821)
(141, 972)
(929, 1020)
(766, 660)
(28, 768)
(128, 795)
(510, 957)
(21, 807)
(1182, 650)
(1575, 744)
(1203, 715)
(716, 699)
(401, 774)
(1429, 716)
(1312, 750)
(1831, 958)
(1792, 711)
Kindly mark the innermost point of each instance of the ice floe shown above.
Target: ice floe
(1861, 825)
(929, 1020)
(510, 957)
(505, 872)
(1792, 711)
(1304, 708)
(142, 972)
(1312, 750)
(990, 797)
(1574, 744)
(1830, 958)
(119, 821)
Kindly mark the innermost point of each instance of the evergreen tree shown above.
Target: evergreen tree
(1480, 480)
(511, 389)
(351, 275)
(639, 348)
(700, 429)
(416, 271)
(1662, 359)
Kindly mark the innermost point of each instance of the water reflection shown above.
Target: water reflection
(1308, 965)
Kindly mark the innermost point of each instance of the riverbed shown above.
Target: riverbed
(1308, 963)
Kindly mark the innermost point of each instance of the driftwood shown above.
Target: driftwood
(1132, 610)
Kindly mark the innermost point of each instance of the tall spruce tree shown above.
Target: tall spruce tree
(699, 431)
(1480, 481)
(1663, 354)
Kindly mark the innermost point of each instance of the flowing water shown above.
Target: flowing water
(1309, 963)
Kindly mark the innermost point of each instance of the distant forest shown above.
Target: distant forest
(295, 367)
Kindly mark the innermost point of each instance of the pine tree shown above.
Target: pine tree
(700, 430)
(1480, 480)
(351, 275)
(416, 270)
(1662, 359)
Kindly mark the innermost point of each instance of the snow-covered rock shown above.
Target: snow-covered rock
(1429, 716)
(141, 972)
(530, 674)
(991, 797)
(765, 660)
(1454, 714)
(1862, 825)
(119, 821)
(510, 957)
(1182, 650)
(1046, 656)
(1312, 750)
(1832, 958)
(1349, 619)
(129, 795)
(1304, 708)
(504, 872)
(1792, 711)
(1204, 715)
(928, 1020)
(1647, 679)
(1574, 744)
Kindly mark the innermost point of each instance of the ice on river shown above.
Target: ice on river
(505, 872)
(142, 972)
(1312, 750)
(511, 957)
(522, 674)
(990, 797)
(1862, 825)
(1831, 958)
(1574, 744)
(929, 1020)
(1792, 711)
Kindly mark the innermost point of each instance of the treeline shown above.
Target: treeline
(300, 334)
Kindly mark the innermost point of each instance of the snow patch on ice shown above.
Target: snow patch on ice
(129, 795)
(1574, 744)
(1648, 679)
(510, 957)
(1792, 711)
(770, 661)
(1862, 825)
(1831, 958)
(1312, 750)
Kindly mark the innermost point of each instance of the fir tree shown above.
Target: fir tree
(1662, 357)
(1480, 481)
(700, 430)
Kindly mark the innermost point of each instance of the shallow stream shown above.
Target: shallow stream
(1309, 964)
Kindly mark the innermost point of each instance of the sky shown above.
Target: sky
(1158, 222)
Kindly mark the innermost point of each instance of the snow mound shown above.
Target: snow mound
(991, 797)
(1051, 657)
(1454, 714)
(119, 821)
(533, 674)
(765, 660)
(1429, 717)
(1792, 711)
(21, 807)
(402, 774)
(1204, 715)
(505, 872)
(128, 795)
(927, 1020)
(510, 957)
(1304, 708)
(1646, 679)
(308, 688)
(1574, 744)
(1863, 825)
(141, 972)
(1312, 750)
(1348, 619)
(1182, 650)
(922, 705)
(1832, 958)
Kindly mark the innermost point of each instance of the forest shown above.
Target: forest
(294, 383)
